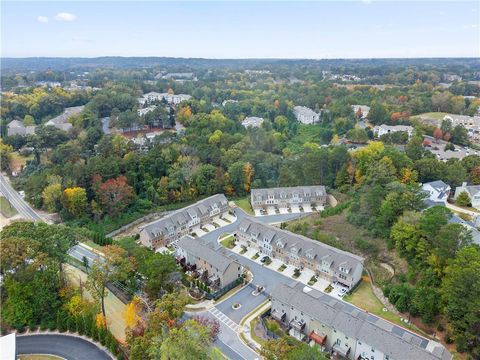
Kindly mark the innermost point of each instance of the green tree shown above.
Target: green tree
(189, 341)
(463, 199)
(113, 266)
(460, 292)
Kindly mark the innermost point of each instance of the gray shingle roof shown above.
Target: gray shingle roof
(438, 185)
(183, 216)
(394, 341)
(303, 244)
(262, 194)
(202, 250)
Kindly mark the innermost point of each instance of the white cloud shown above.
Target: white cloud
(64, 16)
(366, 2)
(42, 19)
(470, 26)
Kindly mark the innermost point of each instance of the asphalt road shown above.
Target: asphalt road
(78, 252)
(68, 347)
(17, 202)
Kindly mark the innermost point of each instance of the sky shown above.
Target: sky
(313, 30)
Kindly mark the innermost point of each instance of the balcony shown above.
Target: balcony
(277, 315)
(297, 325)
(340, 350)
(318, 339)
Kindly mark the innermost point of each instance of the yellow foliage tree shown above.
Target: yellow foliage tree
(248, 171)
(100, 321)
(74, 200)
(131, 313)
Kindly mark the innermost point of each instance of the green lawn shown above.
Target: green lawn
(433, 115)
(244, 204)
(364, 298)
(229, 242)
(6, 209)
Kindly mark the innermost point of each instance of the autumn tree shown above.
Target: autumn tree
(114, 265)
(437, 134)
(115, 195)
(249, 172)
(74, 200)
(277, 349)
(131, 313)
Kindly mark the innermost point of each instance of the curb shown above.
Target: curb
(67, 333)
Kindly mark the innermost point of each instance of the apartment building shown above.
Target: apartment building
(383, 129)
(210, 260)
(287, 196)
(343, 329)
(169, 229)
(169, 98)
(252, 121)
(327, 262)
(306, 115)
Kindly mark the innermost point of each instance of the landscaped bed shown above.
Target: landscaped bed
(244, 204)
(228, 242)
(283, 267)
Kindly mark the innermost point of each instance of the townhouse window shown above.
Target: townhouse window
(359, 343)
(373, 350)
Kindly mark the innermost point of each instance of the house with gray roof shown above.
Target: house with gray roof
(437, 191)
(473, 192)
(252, 122)
(61, 121)
(364, 109)
(306, 115)
(282, 197)
(169, 229)
(345, 330)
(327, 262)
(211, 260)
(383, 129)
(469, 225)
(16, 127)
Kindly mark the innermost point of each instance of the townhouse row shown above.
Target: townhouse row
(329, 263)
(343, 329)
(282, 197)
(169, 229)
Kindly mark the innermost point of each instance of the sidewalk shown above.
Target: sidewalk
(245, 323)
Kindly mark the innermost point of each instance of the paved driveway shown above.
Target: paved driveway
(295, 209)
(230, 218)
(199, 232)
(210, 227)
(220, 222)
(307, 208)
(271, 210)
(67, 347)
(245, 298)
(284, 210)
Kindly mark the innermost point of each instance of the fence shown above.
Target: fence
(223, 290)
(152, 216)
(269, 333)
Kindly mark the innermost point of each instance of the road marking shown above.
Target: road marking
(224, 319)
